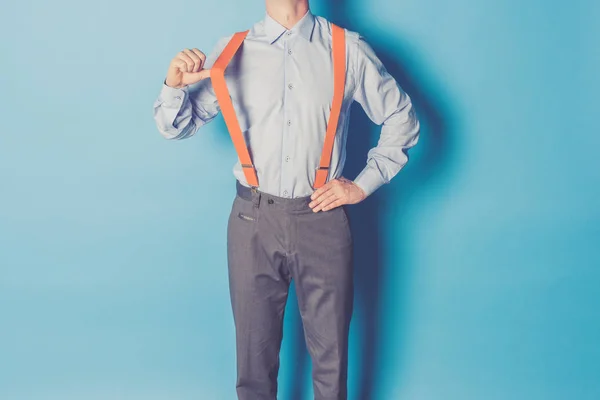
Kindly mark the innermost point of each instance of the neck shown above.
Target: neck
(287, 12)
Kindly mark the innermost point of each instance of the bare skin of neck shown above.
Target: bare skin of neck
(287, 12)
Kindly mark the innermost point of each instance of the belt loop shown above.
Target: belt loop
(255, 196)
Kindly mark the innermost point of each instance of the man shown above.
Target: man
(281, 84)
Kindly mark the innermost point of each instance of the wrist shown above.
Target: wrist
(360, 190)
(172, 86)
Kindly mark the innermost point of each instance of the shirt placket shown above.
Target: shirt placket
(288, 125)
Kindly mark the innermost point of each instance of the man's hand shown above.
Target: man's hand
(336, 193)
(186, 68)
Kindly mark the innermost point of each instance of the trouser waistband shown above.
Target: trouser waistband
(262, 199)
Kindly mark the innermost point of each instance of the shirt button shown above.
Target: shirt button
(270, 201)
(290, 86)
(285, 193)
(289, 33)
(289, 122)
(287, 158)
(289, 51)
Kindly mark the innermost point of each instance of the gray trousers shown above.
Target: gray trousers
(270, 242)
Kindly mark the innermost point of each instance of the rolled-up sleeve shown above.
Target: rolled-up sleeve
(179, 113)
(386, 104)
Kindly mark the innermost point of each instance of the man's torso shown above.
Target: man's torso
(282, 87)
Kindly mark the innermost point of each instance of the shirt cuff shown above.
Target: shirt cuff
(173, 97)
(369, 180)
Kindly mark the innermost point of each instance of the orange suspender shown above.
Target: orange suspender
(339, 82)
(217, 75)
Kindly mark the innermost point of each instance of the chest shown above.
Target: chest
(294, 73)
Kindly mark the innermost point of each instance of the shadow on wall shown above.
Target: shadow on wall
(433, 153)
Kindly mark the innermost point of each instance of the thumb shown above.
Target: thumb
(198, 76)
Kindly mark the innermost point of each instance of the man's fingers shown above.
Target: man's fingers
(205, 73)
(201, 56)
(326, 200)
(327, 203)
(333, 204)
(195, 59)
(321, 190)
(189, 63)
(320, 198)
(192, 63)
(181, 64)
(193, 77)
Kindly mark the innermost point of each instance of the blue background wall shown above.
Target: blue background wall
(477, 267)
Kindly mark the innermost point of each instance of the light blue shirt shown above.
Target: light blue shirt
(281, 85)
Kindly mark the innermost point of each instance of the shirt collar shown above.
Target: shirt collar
(304, 27)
